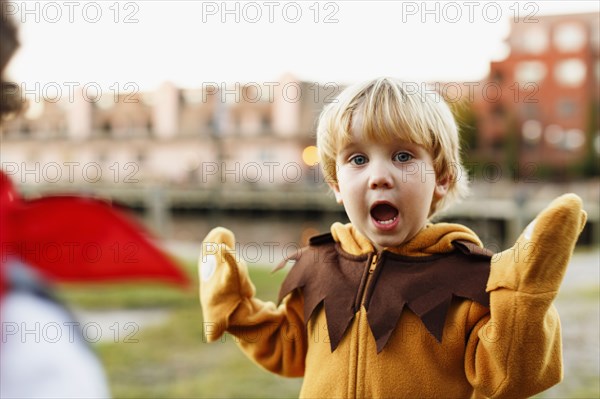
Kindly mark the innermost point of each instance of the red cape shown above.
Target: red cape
(78, 239)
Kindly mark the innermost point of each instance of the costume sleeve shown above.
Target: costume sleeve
(515, 350)
(273, 336)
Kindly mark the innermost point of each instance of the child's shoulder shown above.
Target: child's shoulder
(321, 239)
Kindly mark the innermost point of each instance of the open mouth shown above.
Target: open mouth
(384, 214)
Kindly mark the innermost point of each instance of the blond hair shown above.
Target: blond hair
(390, 111)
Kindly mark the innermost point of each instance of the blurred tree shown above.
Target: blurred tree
(512, 143)
(590, 165)
(466, 119)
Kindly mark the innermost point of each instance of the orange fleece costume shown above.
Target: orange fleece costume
(511, 349)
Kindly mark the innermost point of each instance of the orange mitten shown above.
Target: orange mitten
(224, 281)
(538, 260)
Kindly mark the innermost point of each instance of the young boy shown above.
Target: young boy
(390, 305)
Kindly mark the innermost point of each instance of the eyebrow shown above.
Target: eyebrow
(345, 148)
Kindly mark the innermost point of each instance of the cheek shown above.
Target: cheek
(346, 180)
(346, 191)
(351, 195)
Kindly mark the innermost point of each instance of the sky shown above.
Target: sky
(190, 43)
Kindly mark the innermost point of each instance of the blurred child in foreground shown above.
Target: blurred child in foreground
(43, 352)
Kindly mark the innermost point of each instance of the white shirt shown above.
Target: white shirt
(43, 354)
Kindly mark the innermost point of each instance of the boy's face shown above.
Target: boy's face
(387, 188)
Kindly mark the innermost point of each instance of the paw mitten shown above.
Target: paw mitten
(538, 260)
(224, 281)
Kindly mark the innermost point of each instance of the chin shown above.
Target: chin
(394, 239)
(389, 243)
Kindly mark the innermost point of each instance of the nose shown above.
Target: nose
(380, 176)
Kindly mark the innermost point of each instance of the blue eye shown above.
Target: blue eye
(403, 157)
(358, 160)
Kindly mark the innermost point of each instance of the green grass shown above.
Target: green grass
(172, 360)
(589, 293)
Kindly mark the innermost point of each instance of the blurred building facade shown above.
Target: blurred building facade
(540, 109)
(251, 133)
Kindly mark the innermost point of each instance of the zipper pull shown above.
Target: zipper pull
(373, 264)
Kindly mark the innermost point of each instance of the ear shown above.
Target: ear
(441, 187)
(336, 190)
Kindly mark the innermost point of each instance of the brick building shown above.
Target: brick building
(540, 111)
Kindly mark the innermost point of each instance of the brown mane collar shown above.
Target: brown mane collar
(426, 285)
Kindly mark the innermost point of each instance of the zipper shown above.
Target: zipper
(360, 301)
(365, 280)
(372, 268)
(373, 264)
